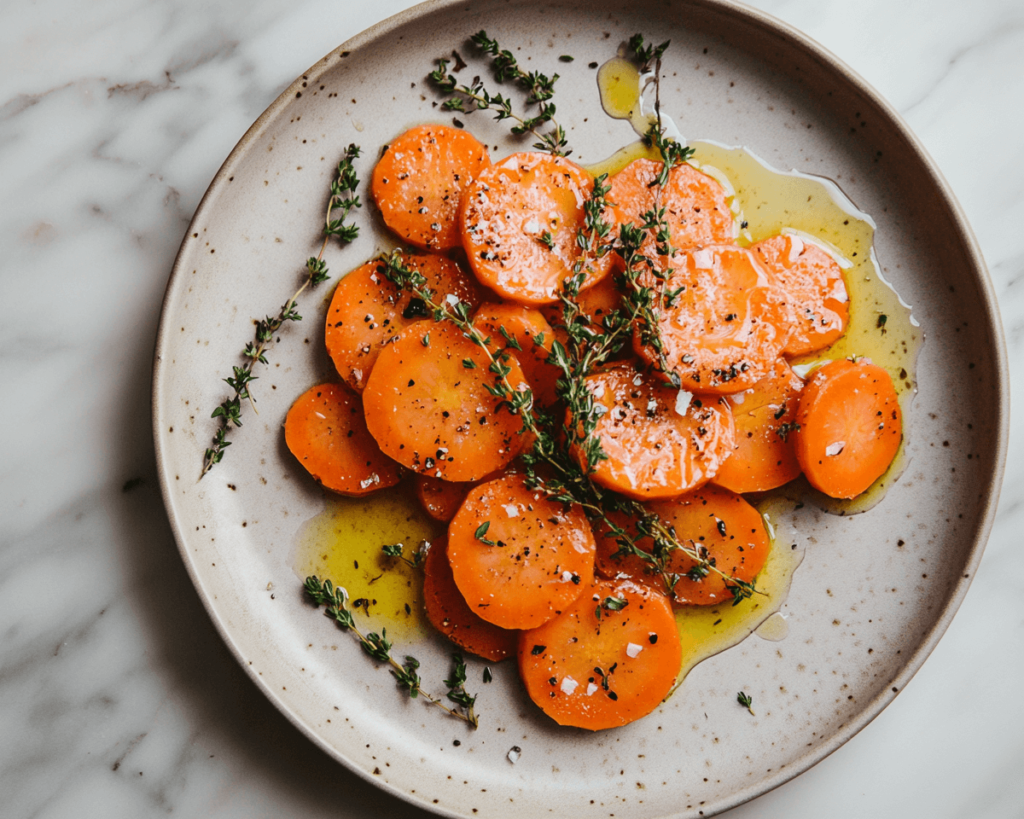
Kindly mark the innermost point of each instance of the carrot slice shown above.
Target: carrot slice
(449, 613)
(814, 282)
(326, 430)
(720, 521)
(724, 328)
(419, 182)
(764, 457)
(367, 311)
(602, 671)
(432, 413)
(849, 427)
(696, 206)
(525, 325)
(439, 498)
(519, 220)
(659, 442)
(518, 558)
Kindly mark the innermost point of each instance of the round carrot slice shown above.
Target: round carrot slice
(367, 311)
(440, 499)
(519, 221)
(419, 182)
(449, 613)
(817, 292)
(434, 414)
(518, 558)
(716, 520)
(724, 328)
(849, 427)
(525, 325)
(609, 659)
(326, 430)
(659, 442)
(764, 456)
(696, 206)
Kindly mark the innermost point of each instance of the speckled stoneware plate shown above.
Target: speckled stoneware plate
(875, 591)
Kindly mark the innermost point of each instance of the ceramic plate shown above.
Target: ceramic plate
(875, 591)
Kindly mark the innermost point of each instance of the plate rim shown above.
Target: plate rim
(759, 20)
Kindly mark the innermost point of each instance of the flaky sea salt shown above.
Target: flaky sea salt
(835, 449)
(568, 685)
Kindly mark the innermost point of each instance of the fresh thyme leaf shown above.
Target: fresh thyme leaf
(342, 200)
(746, 701)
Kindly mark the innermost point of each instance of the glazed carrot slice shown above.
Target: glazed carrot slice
(764, 457)
(367, 311)
(519, 221)
(525, 325)
(720, 521)
(434, 414)
(439, 498)
(518, 558)
(814, 282)
(419, 182)
(449, 613)
(849, 427)
(325, 429)
(601, 671)
(726, 325)
(659, 442)
(696, 206)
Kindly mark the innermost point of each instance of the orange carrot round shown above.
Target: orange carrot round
(712, 519)
(849, 427)
(439, 498)
(610, 658)
(449, 613)
(518, 558)
(726, 325)
(659, 442)
(419, 182)
(367, 311)
(434, 414)
(519, 221)
(764, 456)
(816, 289)
(326, 430)
(696, 206)
(525, 325)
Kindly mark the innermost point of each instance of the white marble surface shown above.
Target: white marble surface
(117, 697)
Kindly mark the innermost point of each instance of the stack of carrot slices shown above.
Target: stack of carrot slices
(592, 624)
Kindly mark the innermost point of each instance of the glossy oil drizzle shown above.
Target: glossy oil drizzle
(344, 543)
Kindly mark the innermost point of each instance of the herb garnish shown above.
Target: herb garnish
(343, 199)
(746, 701)
(539, 89)
(378, 646)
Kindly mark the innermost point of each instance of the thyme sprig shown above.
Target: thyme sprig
(539, 90)
(342, 200)
(397, 550)
(378, 646)
(646, 56)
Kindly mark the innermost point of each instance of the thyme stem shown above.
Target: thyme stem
(342, 198)
(379, 647)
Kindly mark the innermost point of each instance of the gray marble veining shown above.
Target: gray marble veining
(117, 696)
